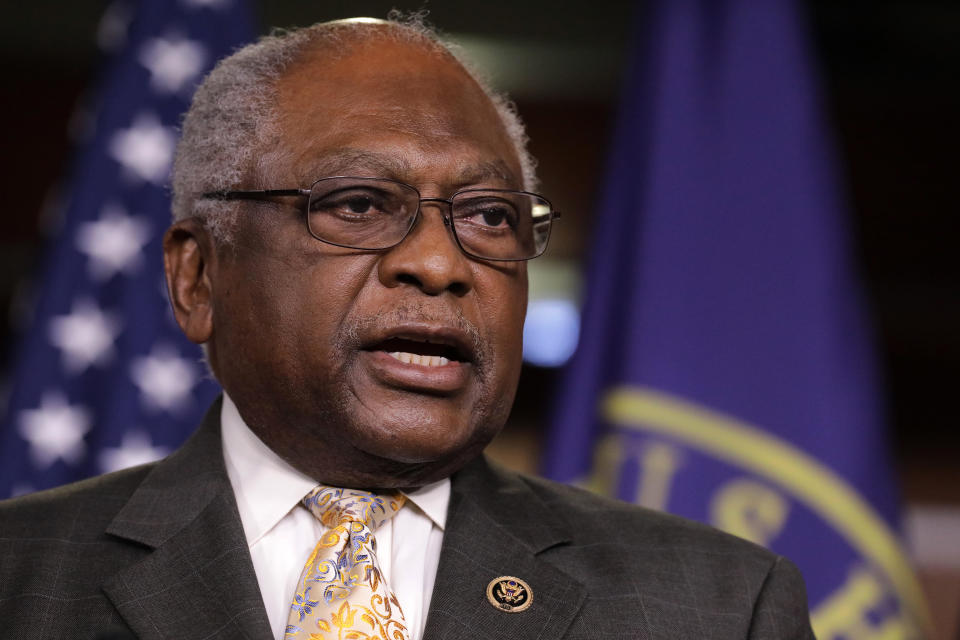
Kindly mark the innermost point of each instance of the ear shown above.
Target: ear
(188, 259)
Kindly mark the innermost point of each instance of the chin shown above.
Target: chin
(424, 452)
(422, 447)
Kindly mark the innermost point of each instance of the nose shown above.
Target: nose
(428, 258)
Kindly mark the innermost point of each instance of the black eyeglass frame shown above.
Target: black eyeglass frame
(265, 194)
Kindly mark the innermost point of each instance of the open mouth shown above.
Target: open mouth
(422, 352)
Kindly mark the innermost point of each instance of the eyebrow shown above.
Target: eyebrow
(350, 161)
(363, 162)
(486, 170)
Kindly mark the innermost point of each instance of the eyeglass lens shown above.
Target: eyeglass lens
(371, 213)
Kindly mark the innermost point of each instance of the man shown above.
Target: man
(352, 220)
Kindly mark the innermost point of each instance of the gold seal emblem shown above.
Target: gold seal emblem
(510, 594)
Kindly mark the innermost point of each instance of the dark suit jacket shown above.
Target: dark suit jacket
(158, 551)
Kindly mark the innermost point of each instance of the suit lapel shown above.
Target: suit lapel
(497, 526)
(198, 581)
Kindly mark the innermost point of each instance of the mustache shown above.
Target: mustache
(354, 330)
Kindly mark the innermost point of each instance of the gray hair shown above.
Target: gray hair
(234, 116)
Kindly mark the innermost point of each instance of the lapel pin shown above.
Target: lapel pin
(510, 594)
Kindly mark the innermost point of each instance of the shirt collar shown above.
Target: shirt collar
(267, 488)
(433, 500)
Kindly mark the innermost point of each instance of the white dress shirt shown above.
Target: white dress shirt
(282, 533)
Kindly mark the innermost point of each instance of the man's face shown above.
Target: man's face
(305, 335)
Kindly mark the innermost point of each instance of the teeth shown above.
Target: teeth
(422, 360)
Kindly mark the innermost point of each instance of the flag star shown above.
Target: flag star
(145, 149)
(164, 378)
(172, 63)
(114, 243)
(135, 448)
(55, 430)
(85, 336)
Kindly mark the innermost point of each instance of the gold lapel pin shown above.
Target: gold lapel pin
(511, 594)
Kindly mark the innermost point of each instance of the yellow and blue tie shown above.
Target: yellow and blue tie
(342, 593)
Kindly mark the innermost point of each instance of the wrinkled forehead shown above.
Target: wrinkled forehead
(413, 100)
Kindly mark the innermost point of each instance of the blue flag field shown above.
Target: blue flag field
(103, 378)
(724, 371)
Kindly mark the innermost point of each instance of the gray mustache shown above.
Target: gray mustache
(355, 330)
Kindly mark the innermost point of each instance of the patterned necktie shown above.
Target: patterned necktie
(341, 593)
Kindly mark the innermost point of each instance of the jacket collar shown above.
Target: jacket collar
(499, 526)
(198, 581)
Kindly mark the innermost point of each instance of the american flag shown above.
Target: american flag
(103, 378)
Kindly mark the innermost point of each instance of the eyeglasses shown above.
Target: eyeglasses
(377, 213)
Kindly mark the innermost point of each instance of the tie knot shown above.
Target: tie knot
(334, 506)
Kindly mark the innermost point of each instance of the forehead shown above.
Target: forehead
(394, 109)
